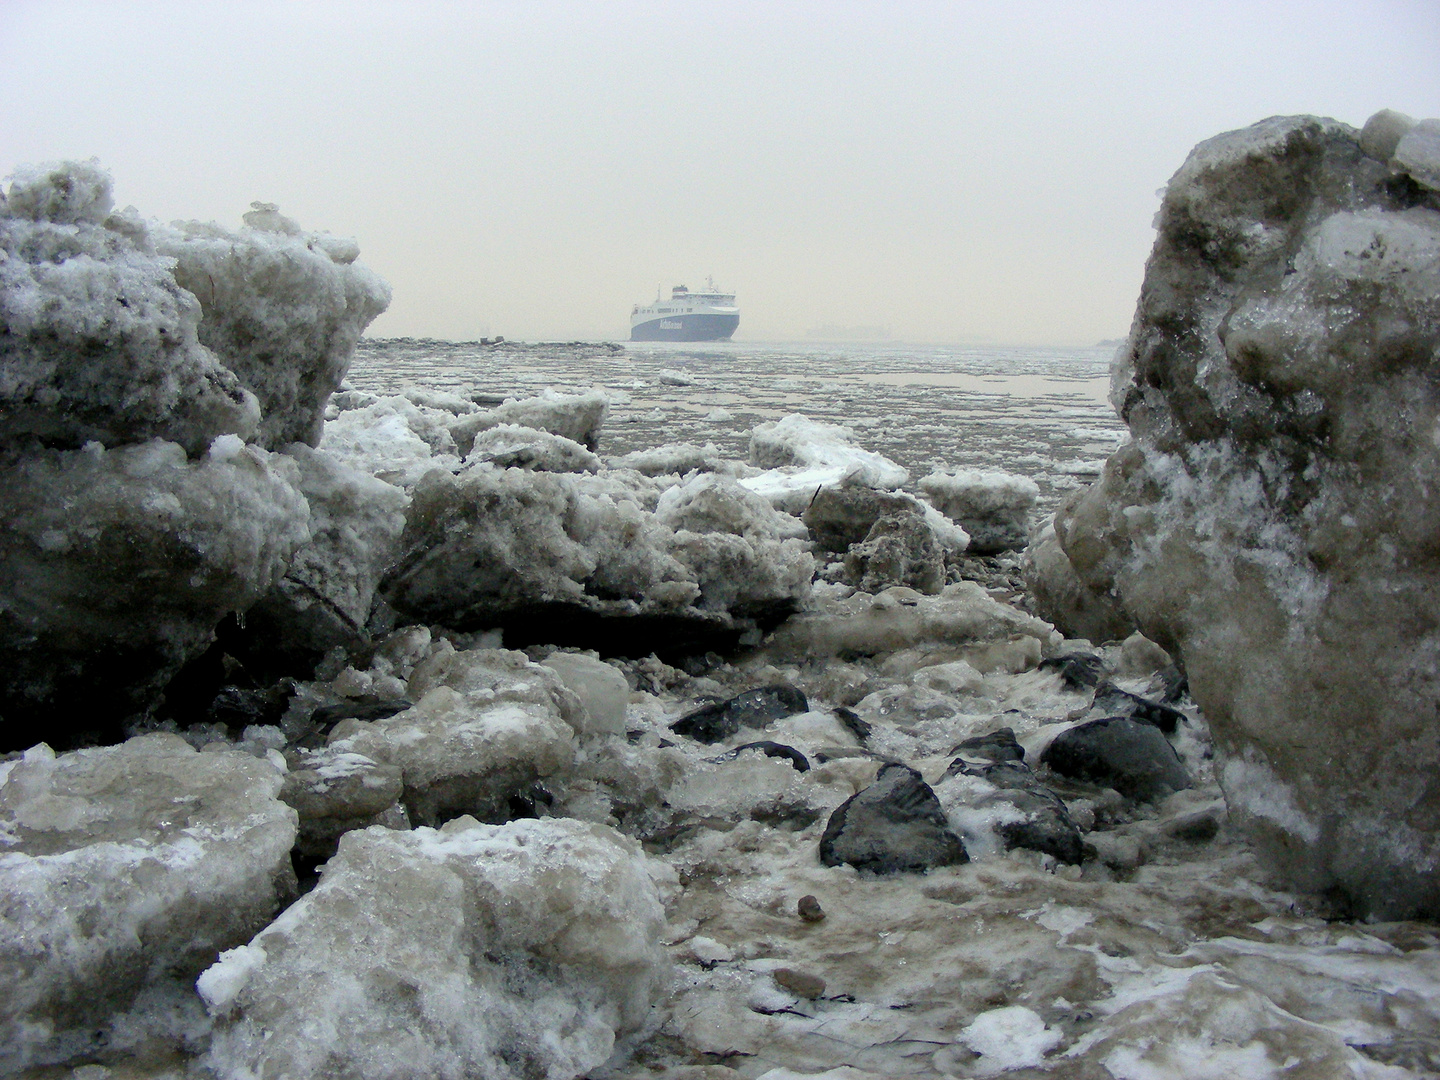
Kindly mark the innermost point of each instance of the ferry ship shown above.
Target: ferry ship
(686, 316)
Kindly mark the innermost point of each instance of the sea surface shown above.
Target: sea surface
(1041, 412)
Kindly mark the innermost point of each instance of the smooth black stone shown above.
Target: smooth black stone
(837, 753)
(1132, 756)
(753, 708)
(998, 745)
(893, 825)
(1112, 701)
(1079, 670)
(769, 749)
(853, 723)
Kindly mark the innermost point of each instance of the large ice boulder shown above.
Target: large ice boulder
(115, 567)
(98, 341)
(118, 330)
(125, 869)
(487, 723)
(392, 438)
(1275, 519)
(282, 309)
(1061, 598)
(521, 950)
(145, 370)
(962, 618)
(577, 417)
(801, 456)
(324, 598)
(993, 507)
(601, 561)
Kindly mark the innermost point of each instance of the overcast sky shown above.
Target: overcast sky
(956, 172)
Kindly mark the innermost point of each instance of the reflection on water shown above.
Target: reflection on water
(1035, 411)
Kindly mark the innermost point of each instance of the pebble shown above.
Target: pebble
(810, 909)
(799, 983)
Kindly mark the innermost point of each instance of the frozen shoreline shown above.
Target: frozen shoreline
(830, 798)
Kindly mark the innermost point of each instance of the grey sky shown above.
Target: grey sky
(953, 171)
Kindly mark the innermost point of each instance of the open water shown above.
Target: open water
(1040, 412)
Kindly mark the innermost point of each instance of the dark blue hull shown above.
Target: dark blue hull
(695, 326)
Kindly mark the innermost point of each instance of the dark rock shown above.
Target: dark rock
(1419, 1053)
(853, 723)
(1199, 827)
(810, 909)
(1046, 827)
(1132, 756)
(1080, 670)
(893, 825)
(998, 745)
(753, 708)
(1112, 701)
(769, 749)
(327, 716)
(1175, 683)
(240, 707)
(900, 549)
(837, 753)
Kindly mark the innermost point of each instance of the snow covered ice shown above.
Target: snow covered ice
(526, 711)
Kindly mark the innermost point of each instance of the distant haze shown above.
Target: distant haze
(937, 172)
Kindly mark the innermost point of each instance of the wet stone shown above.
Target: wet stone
(1132, 756)
(896, 824)
(800, 983)
(998, 745)
(1110, 700)
(810, 909)
(1079, 670)
(753, 708)
(769, 749)
(854, 723)
(1044, 824)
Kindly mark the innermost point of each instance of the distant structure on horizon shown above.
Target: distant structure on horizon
(831, 332)
(699, 316)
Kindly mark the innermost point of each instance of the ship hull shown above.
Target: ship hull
(692, 326)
